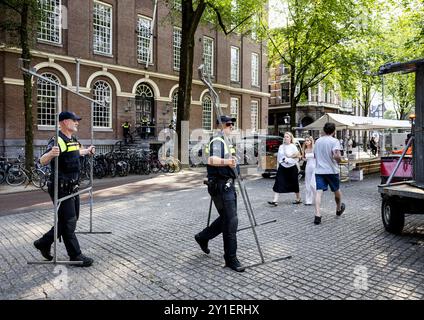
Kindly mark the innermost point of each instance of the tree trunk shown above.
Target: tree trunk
(190, 21)
(26, 56)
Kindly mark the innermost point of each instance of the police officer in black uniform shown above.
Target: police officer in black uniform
(221, 174)
(69, 151)
(126, 131)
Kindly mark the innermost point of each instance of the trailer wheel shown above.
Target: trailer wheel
(393, 218)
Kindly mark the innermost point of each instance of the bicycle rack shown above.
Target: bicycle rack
(57, 201)
(245, 197)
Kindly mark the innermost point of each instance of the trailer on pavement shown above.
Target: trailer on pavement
(406, 197)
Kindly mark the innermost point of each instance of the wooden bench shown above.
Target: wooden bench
(369, 166)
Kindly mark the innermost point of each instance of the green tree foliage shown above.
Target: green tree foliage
(403, 41)
(18, 24)
(315, 41)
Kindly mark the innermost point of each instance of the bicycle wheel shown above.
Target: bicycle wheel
(43, 182)
(177, 165)
(155, 166)
(36, 176)
(15, 177)
(171, 166)
(2, 176)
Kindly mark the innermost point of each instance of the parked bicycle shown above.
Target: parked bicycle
(18, 175)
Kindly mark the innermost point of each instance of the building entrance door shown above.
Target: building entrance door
(145, 110)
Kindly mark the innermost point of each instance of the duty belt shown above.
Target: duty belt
(67, 186)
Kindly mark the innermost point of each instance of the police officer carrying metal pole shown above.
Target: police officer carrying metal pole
(221, 175)
(69, 151)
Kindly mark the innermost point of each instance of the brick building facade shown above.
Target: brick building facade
(110, 39)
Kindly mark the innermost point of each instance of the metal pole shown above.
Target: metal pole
(382, 96)
(91, 167)
(77, 74)
(56, 181)
(210, 211)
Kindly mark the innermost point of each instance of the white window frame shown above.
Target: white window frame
(47, 101)
(207, 115)
(144, 40)
(174, 105)
(314, 94)
(254, 33)
(108, 50)
(208, 55)
(254, 115)
(47, 30)
(255, 69)
(235, 64)
(176, 47)
(107, 100)
(235, 110)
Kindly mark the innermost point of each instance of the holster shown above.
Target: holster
(212, 187)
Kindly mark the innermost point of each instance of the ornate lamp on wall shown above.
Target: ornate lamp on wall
(286, 119)
(167, 109)
(129, 106)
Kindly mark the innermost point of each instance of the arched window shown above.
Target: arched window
(174, 105)
(47, 98)
(143, 90)
(144, 103)
(102, 93)
(207, 113)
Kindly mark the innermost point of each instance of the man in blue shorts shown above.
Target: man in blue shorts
(328, 156)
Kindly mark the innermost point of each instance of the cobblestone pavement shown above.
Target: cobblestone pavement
(151, 253)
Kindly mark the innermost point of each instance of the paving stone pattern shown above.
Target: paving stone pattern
(151, 253)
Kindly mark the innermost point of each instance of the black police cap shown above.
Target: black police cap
(68, 115)
(225, 119)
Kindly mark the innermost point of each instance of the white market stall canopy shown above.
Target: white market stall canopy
(343, 121)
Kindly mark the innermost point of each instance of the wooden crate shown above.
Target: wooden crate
(268, 162)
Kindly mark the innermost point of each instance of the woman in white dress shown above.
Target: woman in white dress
(308, 156)
(287, 180)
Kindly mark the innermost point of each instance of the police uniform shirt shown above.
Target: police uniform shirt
(69, 157)
(217, 148)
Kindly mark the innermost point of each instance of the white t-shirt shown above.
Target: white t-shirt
(324, 148)
(285, 152)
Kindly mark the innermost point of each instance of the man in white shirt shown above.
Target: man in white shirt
(327, 155)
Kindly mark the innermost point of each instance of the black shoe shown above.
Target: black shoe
(317, 220)
(86, 261)
(202, 243)
(235, 265)
(272, 203)
(45, 250)
(297, 201)
(342, 209)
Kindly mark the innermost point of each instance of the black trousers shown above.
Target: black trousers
(67, 222)
(227, 222)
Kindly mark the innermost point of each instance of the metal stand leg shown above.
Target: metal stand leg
(55, 261)
(209, 214)
(91, 184)
(253, 216)
(91, 219)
